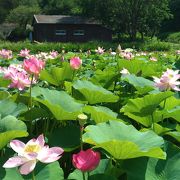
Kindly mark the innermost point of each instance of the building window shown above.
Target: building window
(60, 32)
(78, 33)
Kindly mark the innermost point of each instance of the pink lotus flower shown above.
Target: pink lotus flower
(33, 65)
(28, 154)
(6, 54)
(54, 54)
(18, 76)
(113, 53)
(153, 59)
(75, 62)
(124, 72)
(86, 160)
(168, 80)
(178, 52)
(20, 81)
(42, 55)
(100, 50)
(45, 56)
(127, 55)
(143, 54)
(137, 54)
(24, 53)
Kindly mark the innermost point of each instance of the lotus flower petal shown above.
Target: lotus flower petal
(14, 162)
(17, 146)
(27, 167)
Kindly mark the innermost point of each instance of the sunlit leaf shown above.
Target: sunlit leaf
(93, 93)
(11, 128)
(61, 104)
(124, 141)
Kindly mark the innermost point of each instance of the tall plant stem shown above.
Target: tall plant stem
(84, 178)
(30, 104)
(152, 125)
(73, 74)
(163, 109)
(81, 146)
(81, 133)
(30, 93)
(33, 176)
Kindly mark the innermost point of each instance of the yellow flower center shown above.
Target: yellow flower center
(32, 148)
(171, 76)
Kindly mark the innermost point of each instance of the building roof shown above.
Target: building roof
(62, 19)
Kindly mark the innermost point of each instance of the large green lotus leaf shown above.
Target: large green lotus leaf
(8, 107)
(77, 175)
(139, 66)
(56, 75)
(9, 173)
(160, 130)
(144, 107)
(144, 120)
(147, 120)
(61, 104)
(151, 69)
(4, 94)
(4, 82)
(178, 127)
(36, 113)
(141, 84)
(100, 114)
(47, 76)
(11, 128)
(171, 108)
(147, 104)
(170, 103)
(69, 55)
(105, 78)
(102, 176)
(174, 113)
(50, 171)
(124, 141)
(66, 137)
(93, 93)
(174, 134)
(133, 67)
(154, 169)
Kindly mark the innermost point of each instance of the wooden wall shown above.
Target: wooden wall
(47, 32)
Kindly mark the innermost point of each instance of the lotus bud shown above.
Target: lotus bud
(82, 118)
(119, 49)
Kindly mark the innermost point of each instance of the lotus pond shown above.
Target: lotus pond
(99, 114)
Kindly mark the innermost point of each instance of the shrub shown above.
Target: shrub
(173, 38)
(152, 45)
(157, 46)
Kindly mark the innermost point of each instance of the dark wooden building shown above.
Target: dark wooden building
(60, 28)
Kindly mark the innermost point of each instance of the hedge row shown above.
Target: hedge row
(46, 47)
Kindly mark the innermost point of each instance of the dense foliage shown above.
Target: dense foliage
(152, 45)
(122, 16)
(114, 114)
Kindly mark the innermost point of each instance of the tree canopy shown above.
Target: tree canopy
(122, 16)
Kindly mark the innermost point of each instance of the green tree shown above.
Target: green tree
(22, 15)
(66, 7)
(5, 7)
(129, 16)
(173, 24)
